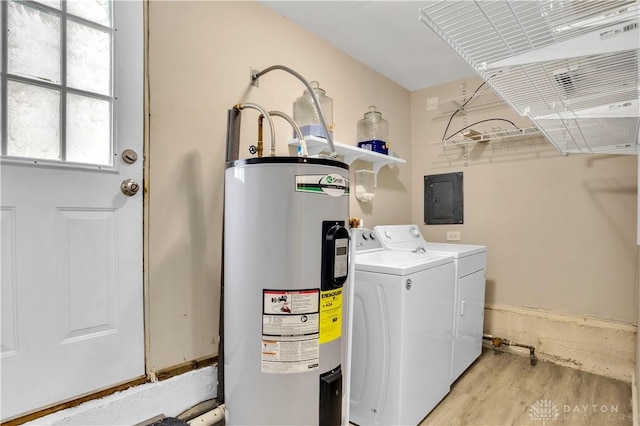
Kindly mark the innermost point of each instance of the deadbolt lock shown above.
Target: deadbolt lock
(129, 187)
(129, 156)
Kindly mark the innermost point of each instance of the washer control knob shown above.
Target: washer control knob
(387, 234)
(415, 232)
(372, 235)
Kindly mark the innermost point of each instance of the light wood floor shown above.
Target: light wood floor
(504, 389)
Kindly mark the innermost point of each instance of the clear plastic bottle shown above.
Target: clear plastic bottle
(306, 115)
(373, 131)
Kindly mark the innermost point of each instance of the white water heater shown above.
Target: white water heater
(285, 264)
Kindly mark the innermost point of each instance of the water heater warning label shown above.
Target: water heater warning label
(290, 331)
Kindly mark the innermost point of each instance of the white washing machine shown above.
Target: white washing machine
(402, 328)
(470, 281)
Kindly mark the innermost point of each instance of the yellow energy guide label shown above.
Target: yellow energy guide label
(330, 315)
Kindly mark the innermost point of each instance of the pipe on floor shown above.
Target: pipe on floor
(209, 418)
(499, 341)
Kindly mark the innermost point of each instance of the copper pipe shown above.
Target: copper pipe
(272, 149)
(499, 341)
(260, 144)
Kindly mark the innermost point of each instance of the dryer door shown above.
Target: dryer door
(469, 319)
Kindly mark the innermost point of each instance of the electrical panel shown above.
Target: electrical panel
(443, 199)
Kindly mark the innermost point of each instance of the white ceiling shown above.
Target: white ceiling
(387, 36)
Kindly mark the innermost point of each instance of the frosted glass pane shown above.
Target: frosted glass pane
(88, 130)
(88, 59)
(51, 3)
(33, 43)
(93, 10)
(33, 121)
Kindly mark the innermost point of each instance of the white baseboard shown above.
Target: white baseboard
(606, 348)
(140, 403)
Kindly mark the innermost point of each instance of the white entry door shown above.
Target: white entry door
(71, 239)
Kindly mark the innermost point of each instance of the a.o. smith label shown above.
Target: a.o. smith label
(332, 184)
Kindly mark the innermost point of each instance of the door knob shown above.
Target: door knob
(129, 187)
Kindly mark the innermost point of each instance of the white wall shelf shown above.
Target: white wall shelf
(563, 67)
(349, 153)
(492, 137)
(482, 99)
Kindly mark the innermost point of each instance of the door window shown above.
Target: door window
(57, 82)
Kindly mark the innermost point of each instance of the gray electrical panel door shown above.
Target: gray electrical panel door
(443, 199)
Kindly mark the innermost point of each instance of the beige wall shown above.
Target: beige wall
(200, 55)
(560, 230)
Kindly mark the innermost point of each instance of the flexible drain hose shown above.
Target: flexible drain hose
(258, 74)
(296, 129)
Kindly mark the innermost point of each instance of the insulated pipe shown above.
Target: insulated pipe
(499, 341)
(257, 74)
(209, 418)
(296, 129)
(233, 134)
(272, 149)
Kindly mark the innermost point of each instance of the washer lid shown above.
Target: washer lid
(457, 250)
(409, 237)
(396, 262)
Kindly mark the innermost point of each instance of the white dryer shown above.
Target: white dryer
(471, 264)
(402, 328)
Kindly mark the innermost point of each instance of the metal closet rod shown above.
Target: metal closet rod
(255, 75)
